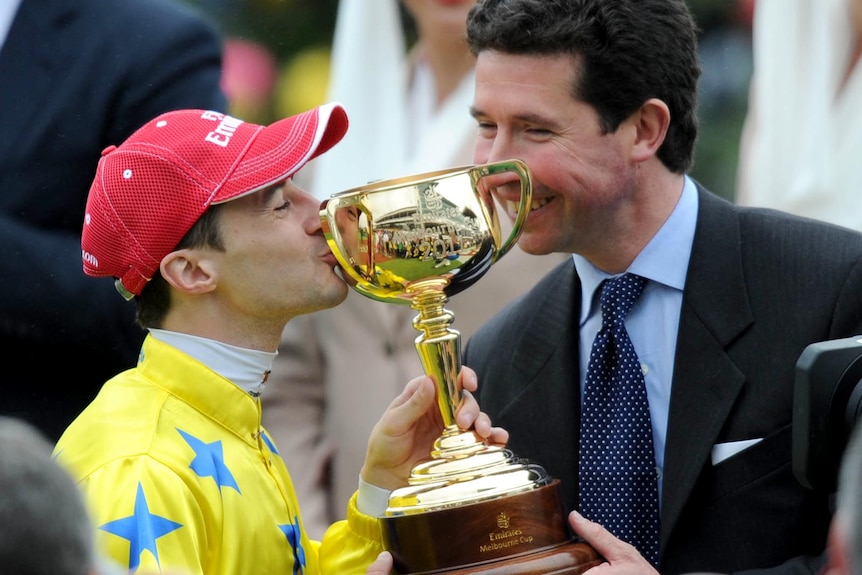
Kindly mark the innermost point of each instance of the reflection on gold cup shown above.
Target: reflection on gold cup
(471, 507)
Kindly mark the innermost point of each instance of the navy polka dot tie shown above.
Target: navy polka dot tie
(618, 478)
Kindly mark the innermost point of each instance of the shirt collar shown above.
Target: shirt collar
(8, 9)
(663, 260)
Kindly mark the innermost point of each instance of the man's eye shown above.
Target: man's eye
(539, 133)
(282, 206)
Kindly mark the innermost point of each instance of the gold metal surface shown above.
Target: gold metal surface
(418, 240)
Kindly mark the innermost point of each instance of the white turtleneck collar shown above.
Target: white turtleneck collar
(247, 368)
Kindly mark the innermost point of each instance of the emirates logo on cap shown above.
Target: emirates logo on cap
(227, 127)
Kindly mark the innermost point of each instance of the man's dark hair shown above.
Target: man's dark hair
(629, 51)
(155, 300)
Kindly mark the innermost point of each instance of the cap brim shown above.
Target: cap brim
(283, 148)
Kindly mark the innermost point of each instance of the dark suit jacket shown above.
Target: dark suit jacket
(761, 285)
(75, 77)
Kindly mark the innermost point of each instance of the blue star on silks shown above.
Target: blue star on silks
(293, 532)
(209, 461)
(270, 444)
(141, 529)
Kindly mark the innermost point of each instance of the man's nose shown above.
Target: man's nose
(496, 150)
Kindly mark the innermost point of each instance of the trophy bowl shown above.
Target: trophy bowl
(470, 507)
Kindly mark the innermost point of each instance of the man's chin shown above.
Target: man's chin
(339, 294)
(532, 248)
(328, 298)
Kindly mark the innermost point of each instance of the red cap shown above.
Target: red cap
(149, 191)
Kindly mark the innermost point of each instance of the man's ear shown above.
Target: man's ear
(651, 123)
(187, 270)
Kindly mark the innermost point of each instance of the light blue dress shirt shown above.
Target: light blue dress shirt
(8, 8)
(653, 321)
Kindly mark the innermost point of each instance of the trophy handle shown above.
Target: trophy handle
(524, 175)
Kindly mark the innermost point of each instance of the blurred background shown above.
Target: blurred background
(277, 64)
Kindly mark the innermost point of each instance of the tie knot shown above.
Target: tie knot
(618, 296)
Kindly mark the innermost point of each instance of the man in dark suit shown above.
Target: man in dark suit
(599, 98)
(75, 76)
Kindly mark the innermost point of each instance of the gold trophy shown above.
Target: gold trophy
(471, 507)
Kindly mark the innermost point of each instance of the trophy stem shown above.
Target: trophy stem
(439, 346)
(462, 466)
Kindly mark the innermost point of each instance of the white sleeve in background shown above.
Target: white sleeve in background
(800, 148)
(367, 75)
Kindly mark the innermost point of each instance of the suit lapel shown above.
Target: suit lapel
(550, 319)
(706, 382)
(544, 371)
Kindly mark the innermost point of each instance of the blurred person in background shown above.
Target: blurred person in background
(801, 147)
(409, 111)
(44, 523)
(76, 76)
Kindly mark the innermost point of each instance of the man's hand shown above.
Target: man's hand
(406, 432)
(382, 565)
(620, 557)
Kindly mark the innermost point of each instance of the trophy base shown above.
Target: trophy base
(521, 534)
(572, 558)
